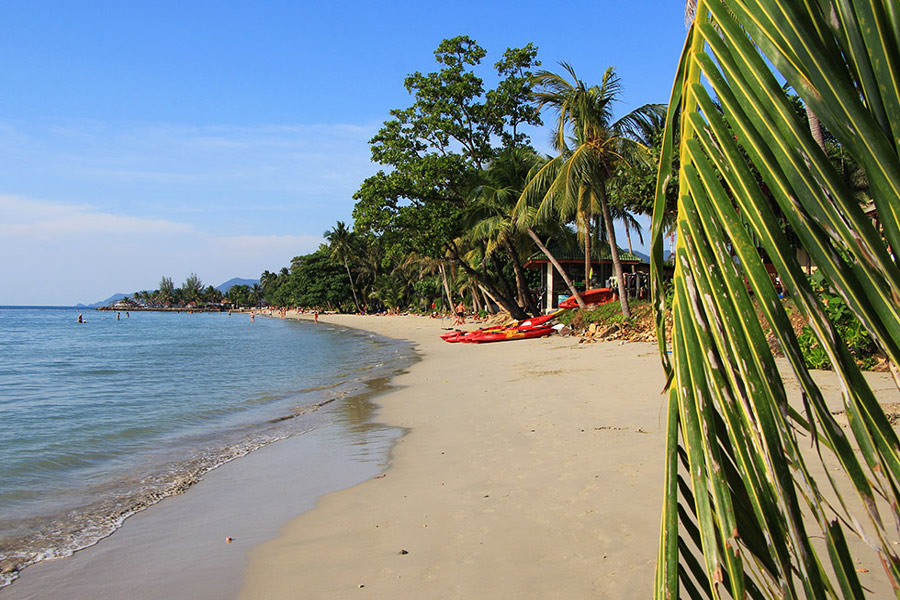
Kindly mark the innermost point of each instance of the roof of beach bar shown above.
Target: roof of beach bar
(598, 255)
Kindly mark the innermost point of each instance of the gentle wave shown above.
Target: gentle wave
(88, 438)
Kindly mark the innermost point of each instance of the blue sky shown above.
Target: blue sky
(145, 139)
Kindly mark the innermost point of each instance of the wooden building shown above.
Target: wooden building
(553, 286)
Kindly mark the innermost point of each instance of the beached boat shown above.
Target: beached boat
(514, 327)
(593, 296)
(508, 334)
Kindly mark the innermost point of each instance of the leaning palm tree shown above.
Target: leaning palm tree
(340, 241)
(746, 513)
(574, 183)
(495, 215)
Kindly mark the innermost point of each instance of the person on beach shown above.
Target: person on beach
(460, 314)
(316, 316)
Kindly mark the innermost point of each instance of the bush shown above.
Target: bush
(605, 314)
(848, 327)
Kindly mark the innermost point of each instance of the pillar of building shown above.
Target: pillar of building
(549, 300)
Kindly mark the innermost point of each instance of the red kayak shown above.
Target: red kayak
(516, 326)
(594, 296)
(509, 334)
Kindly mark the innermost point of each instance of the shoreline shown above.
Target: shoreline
(348, 447)
(529, 469)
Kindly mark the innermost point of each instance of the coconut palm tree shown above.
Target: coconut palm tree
(573, 185)
(340, 240)
(740, 482)
(166, 290)
(492, 213)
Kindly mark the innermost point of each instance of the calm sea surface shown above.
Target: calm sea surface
(101, 419)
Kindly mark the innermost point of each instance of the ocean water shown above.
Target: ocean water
(102, 419)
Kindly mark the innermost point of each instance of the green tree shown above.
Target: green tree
(574, 184)
(211, 294)
(493, 216)
(239, 295)
(316, 280)
(166, 291)
(340, 240)
(739, 478)
(268, 281)
(434, 149)
(192, 288)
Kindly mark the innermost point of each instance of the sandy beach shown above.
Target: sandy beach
(531, 469)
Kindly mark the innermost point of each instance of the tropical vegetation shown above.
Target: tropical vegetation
(191, 293)
(779, 146)
(766, 495)
(464, 200)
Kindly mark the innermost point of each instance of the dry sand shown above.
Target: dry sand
(531, 469)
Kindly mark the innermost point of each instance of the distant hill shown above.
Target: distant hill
(107, 302)
(642, 256)
(236, 281)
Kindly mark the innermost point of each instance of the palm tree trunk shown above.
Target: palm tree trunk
(475, 303)
(815, 128)
(488, 301)
(557, 266)
(614, 253)
(352, 286)
(507, 302)
(507, 289)
(446, 287)
(524, 297)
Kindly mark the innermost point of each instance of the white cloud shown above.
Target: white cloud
(35, 219)
(90, 208)
(165, 167)
(64, 254)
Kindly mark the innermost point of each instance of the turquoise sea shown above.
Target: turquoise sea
(102, 419)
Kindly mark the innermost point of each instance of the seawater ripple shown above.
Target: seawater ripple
(101, 420)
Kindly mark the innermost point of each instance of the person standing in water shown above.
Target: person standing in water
(80, 318)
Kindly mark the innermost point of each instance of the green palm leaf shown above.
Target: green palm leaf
(742, 503)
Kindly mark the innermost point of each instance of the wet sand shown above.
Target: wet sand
(177, 548)
(531, 469)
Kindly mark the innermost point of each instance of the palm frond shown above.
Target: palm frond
(749, 172)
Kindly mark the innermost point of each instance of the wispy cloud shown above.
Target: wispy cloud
(110, 164)
(27, 218)
(68, 253)
(91, 208)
